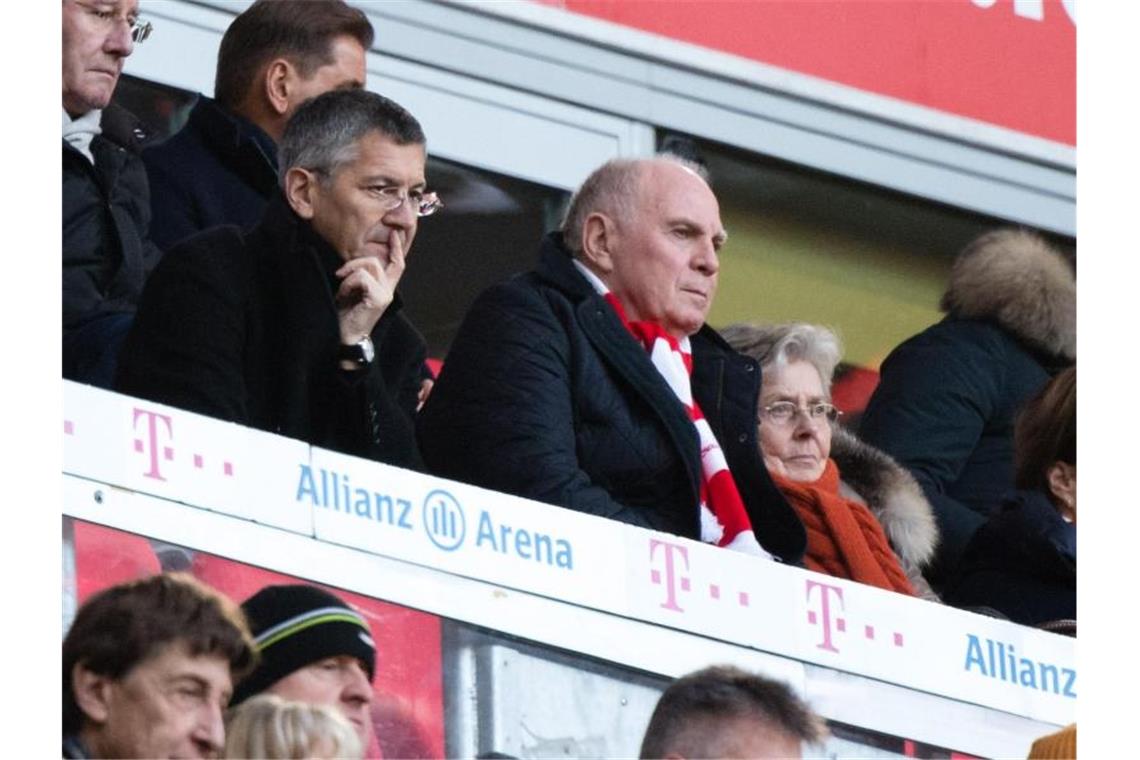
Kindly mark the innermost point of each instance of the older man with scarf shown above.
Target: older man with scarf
(593, 383)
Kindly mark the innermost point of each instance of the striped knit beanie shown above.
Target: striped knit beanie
(294, 626)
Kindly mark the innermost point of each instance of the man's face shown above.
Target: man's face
(96, 40)
(346, 71)
(665, 255)
(340, 682)
(348, 208)
(757, 740)
(167, 706)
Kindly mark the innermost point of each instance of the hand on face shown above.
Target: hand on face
(367, 287)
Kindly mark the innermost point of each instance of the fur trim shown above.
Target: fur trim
(1022, 283)
(891, 493)
(894, 497)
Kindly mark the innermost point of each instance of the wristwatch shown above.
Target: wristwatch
(362, 352)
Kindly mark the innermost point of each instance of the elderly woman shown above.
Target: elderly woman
(866, 517)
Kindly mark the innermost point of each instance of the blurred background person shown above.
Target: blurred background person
(1023, 561)
(267, 726)
(866, 517)
(723, 711)
(947, 398)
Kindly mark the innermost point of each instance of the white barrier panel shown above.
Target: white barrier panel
(558, 553)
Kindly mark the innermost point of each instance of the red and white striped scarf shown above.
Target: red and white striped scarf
(724, 520)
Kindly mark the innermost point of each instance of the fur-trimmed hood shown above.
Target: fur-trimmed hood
(893, 495)
(1014, 278)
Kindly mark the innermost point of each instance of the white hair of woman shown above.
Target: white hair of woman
(267, 726)
(779, 345)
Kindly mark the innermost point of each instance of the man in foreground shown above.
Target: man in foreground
(725, 712)
(148, 669)
(593, 383)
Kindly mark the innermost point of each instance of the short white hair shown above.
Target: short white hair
(267, 726)
(776, 346)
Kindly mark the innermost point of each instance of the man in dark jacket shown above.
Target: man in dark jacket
(948, 397)
(106, 203)
(296, 326)
(221, 168)
(561, 385)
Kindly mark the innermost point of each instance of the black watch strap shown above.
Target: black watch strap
(360, 353)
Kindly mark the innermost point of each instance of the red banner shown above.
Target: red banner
(1007, 62)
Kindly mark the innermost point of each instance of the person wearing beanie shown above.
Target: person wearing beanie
(313, 648)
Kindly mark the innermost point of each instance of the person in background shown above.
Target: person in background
(221, 167)
(148, 669)
(297, 327)
(725, 712)
(1022, 562)
(593, 383)
(106, 200)
(866, 517)
(313, 648)
(269, 727)
(947, 398)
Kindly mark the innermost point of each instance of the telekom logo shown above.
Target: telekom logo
(152, 443)
(156, 442)
(675, 577)
(829, 615)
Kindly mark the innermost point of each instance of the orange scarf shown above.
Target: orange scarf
(844, 538)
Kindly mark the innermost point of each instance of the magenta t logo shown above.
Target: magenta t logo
(673, 575)
(151, 441)
(824, 616)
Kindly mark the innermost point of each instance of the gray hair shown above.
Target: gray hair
(268, 726)
(776, 346)
(612, 189)
(324, 132)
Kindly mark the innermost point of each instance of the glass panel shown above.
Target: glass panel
(447, 688)
(808, 246)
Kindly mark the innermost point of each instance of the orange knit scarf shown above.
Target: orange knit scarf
(844, 538)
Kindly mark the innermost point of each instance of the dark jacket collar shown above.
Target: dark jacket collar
(238, 141)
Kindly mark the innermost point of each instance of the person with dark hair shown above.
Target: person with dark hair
(947, 398)
(148, 669)
(221, 167)
(313, 648)
(1022, 562)
(593, 382)
(106, 200)
(296, 327)
(723, 711)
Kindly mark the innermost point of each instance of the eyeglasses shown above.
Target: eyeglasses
(783, 412)
(106, 18)
(423, 203)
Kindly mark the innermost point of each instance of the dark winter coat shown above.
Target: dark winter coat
(546, 395)
(243, 327)
(948, 397)
(106, 214)
(218, 169)
(1022, 562)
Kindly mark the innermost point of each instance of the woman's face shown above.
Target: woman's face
(797, 449)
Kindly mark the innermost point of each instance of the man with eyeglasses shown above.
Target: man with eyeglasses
(296, 327)
(593, 382)
(106, 202)
(221, 167)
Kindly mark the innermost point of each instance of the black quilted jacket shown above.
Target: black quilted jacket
(545, 394)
